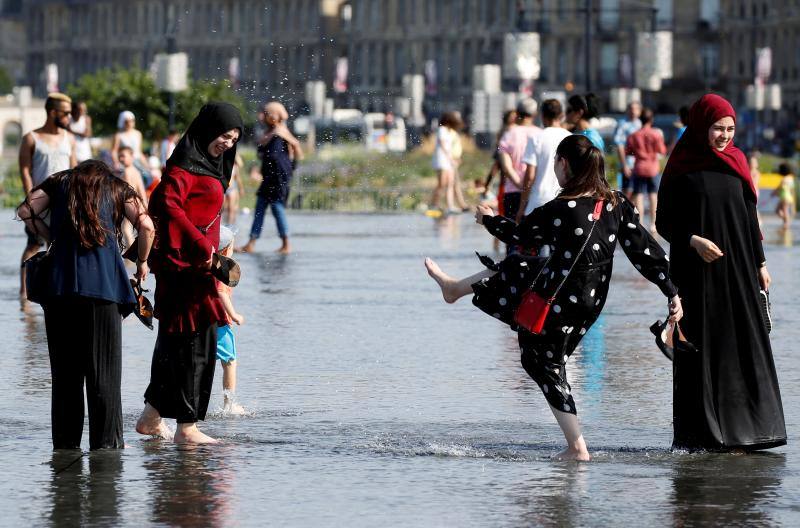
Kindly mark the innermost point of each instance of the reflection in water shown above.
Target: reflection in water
(785, 237)
(36, 361)
(448, 229)
(725, 490)
(592, 360)
(555, 499)
(190, 485)
(81, 498)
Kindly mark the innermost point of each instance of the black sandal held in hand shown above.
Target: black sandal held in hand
(143, 309)
(668, 337)
(225, 269)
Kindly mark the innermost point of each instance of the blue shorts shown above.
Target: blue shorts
(226, 344)
(642, 185)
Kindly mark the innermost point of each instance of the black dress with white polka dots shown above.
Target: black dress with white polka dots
(564, 224)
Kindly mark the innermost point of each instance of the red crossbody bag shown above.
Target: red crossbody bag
(533, 309)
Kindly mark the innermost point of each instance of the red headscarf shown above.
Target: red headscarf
(693, 153)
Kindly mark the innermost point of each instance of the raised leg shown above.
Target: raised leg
(454, 289)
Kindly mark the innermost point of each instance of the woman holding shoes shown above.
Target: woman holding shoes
(726, 397)
(186, 208)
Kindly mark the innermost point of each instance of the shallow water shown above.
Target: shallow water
(371, 402)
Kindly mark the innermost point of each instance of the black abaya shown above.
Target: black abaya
(726, 395)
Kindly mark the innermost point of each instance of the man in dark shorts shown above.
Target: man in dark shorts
(646, 145)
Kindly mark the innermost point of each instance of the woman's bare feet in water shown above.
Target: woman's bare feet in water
(580, 454)
(190, 434)
(445, 281)
(150, 423)
(285, 248)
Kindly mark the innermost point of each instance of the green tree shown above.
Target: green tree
(110, 91)
(6, 82)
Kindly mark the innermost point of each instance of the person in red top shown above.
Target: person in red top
(646, 145)
(186, 209)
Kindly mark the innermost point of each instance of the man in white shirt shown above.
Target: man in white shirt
(540, 184)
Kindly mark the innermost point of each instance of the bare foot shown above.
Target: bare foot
(444, 280)
(150, 423)
(247, 248)
(283, 250)
(190, 434)
(233, 409)
(581, 455)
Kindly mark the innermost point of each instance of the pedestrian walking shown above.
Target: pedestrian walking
(627, 126)
(279, 151)
(45, 151)
(81, 127)
(582, 228)
(646, 146)
(580, 110)
(786, 194)
(128, 135)
(186, 207)
(88, 295)
(234, 193)
(511, 151)
(445, 161)
(725, 394)
(541, 184)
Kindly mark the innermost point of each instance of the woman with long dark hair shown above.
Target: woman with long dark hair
(582, 227)
(580, 110)
(726, 394)
(89, 295)
(186, 207)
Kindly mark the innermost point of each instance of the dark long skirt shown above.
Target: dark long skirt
(182, 374)
(84, 339)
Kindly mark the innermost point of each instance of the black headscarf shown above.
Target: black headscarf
(191, 152)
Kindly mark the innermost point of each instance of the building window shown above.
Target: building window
(609, 15)
(609, 60)
(709, 12)
(664, 15)
(709, 56)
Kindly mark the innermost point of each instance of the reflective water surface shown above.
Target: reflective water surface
(371, 402)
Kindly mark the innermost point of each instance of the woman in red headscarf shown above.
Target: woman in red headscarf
(726, 394)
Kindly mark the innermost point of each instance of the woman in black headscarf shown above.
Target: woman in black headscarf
(186, 209)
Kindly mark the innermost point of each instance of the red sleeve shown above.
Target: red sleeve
(662, 147)
(182, 236)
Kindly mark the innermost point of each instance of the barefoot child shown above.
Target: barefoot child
(132, 176)
(785, 191)
(226, 342)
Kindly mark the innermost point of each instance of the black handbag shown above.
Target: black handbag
(38, 275)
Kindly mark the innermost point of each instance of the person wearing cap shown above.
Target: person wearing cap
(128, 136)
(226, 341)
(45, 151)
(511, 150)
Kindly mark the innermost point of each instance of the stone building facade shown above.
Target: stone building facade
(280, 44)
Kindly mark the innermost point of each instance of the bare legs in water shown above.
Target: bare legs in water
(452, 290)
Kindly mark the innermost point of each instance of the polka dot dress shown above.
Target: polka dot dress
(564, 226)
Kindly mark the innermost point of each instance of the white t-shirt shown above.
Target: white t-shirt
(541, 152)
(447, 138)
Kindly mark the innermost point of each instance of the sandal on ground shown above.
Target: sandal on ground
(226, 270)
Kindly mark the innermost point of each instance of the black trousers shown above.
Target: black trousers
(84, 338)
(182, 374)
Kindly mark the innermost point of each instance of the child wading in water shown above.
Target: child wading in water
(785, 191)
(226, 342)
(582, 227)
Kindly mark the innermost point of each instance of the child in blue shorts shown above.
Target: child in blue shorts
(226, 343)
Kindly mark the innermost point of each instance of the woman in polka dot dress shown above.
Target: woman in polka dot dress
(564, 224)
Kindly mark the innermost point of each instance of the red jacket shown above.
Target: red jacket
(185, 208)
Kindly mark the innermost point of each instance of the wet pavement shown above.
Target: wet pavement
(372, 402)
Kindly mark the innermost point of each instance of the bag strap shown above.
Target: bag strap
(205, 229)
(598, 210)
